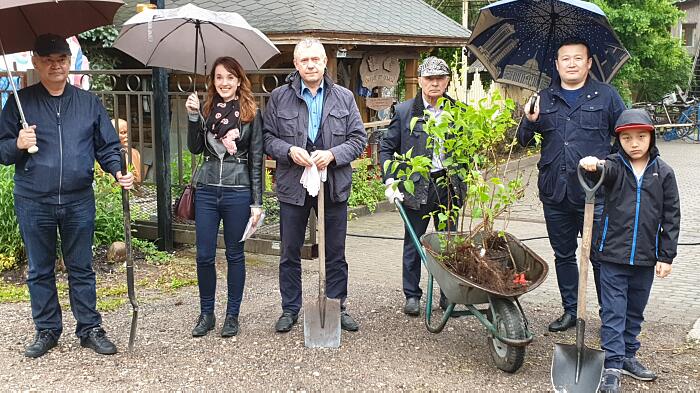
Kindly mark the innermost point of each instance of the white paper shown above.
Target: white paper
(250, 228)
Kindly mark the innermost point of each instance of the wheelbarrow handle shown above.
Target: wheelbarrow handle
(590, 191)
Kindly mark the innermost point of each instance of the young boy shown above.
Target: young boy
(641, 221)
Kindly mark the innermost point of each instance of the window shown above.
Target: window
(688, 34)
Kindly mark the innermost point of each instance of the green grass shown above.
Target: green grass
(11, 293)
(177, 283)
(110, 304)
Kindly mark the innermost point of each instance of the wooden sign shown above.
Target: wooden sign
(379, 69)
(379, 103)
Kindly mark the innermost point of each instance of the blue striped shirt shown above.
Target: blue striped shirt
(315, 106)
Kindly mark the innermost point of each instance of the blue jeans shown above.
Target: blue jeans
(564, 223)
(625, 291)
(212, 205)
(38, 225)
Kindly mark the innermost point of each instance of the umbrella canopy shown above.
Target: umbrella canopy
(517, 40)
(24, 20)
(188, 38)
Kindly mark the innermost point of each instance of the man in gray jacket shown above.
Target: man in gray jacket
(312, 121)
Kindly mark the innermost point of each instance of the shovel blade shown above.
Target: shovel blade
(564, 367)
(318, 332)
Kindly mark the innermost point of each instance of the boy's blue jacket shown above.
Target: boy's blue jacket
(72, 131)
(641, 220)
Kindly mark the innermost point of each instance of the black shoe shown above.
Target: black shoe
(286, 321)
(43, 341)
(412, 306)
(205, 323)
(348, 323)
(610, 383)
(632, 367)
(230, 328)
(563, 323)
(97, 339)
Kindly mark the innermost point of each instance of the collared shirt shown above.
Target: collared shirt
(435, 112)
(315, 106)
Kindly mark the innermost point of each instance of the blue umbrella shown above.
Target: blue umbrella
(517, 40)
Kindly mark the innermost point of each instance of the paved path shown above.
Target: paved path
(674, 299)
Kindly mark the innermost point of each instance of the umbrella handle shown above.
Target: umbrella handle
(533, 100)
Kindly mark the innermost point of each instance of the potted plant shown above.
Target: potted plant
(471, 141)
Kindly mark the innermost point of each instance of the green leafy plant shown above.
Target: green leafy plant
(271, 206)
(151, 251)
(468, 140)
(367, 187)
(11, 246)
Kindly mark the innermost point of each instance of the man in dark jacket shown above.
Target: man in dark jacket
(53, 191)
(428, 195)
(641, 224)
(575, 117)
(312, 121)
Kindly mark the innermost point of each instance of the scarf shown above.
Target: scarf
(224, 122)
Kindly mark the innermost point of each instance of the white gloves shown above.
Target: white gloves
(589, 163)
(391, 193)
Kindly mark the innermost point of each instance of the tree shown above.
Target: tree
(658, 61)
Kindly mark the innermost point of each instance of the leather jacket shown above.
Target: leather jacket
(243, 169)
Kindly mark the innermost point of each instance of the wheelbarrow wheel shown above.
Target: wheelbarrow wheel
(509, 322)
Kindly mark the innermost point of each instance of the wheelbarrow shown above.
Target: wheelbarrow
(500, 313)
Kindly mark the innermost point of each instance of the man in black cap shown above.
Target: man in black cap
(53, 191)
(428, 195)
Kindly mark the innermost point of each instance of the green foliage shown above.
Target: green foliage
(469, 138)
(109, 216)
(268, 180)
(176, 283)
(110, 304)
(11, 245)
(367, 187)
(186, 169)
(271, 207)
(658, 61)
(151, 251)
(12, 293)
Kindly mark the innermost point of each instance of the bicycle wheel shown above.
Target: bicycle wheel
(690, 116)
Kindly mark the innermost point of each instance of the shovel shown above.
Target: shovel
(577, 368)
(129, 258)
(322, 317)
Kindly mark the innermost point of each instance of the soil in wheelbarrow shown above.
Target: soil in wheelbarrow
(489, 265)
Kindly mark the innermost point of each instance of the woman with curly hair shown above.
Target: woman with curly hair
(229, 183)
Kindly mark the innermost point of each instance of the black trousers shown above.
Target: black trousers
(437, 195)
(293, 221)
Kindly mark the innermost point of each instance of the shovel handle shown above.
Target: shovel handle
(590, 191)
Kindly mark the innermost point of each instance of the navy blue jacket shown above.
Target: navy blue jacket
(641, 220)
(569, 134)
(72, 130)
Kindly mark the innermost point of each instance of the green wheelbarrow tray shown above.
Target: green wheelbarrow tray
(460, 290)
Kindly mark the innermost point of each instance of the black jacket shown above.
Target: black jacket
(400, 139)
(570, 133)
(72, 130)
(641, 221)
(243, 169)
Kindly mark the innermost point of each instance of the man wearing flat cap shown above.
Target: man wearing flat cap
(53, 191)
(428, 195)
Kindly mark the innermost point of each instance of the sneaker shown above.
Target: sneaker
(205, 323)
(632, 367)
(230, 327)
(610, 383)
(44, 340)
(97, 340)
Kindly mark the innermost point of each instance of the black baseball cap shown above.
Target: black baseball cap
(51, 44)
(634, 119)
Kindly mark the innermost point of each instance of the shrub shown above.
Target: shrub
(11, 245)
(367, 187)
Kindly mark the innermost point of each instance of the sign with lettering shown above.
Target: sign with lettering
(379, 70)
(379, 103)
